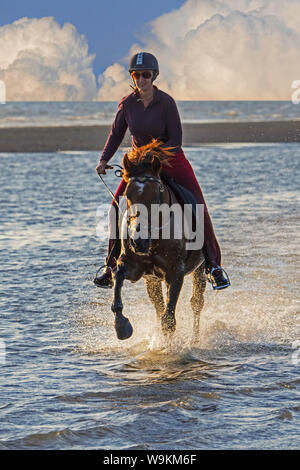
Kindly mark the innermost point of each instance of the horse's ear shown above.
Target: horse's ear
(156, 164)
(126, 162)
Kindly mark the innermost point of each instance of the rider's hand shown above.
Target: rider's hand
(101, 167)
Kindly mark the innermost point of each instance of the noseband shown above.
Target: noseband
(144, 179)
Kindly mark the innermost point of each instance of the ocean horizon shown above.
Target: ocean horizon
(83, 113)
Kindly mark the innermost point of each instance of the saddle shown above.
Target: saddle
(183, 195)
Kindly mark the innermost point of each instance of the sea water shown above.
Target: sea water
(68, 383)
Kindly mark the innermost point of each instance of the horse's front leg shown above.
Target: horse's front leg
(122, 324)
(168, 321)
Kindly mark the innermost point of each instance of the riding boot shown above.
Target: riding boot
(216, 275)
(105, 280)
(114, 246)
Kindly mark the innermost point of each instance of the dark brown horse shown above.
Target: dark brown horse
(153, 257)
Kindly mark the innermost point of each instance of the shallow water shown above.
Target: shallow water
(68, 383)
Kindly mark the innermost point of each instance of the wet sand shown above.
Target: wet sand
(63, 138)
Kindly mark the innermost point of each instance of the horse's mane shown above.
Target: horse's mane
(140, 159)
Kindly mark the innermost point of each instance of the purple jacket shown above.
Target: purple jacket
(159, 120)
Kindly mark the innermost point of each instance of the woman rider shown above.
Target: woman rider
(151, 113)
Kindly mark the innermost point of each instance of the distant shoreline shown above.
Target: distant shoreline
(85, 138)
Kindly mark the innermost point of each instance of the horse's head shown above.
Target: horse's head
(141, 171)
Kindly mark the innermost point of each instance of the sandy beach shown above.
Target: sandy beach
(63, 138)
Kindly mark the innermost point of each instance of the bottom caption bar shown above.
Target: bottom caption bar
(96, 459)
(150, 458)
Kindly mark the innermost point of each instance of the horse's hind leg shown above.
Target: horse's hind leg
(154, 289)
(168, 321)
(122, 324)
(197, 300)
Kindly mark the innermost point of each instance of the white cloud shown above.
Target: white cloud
(113, 83)
(40, 60)
(226, 49)
(207, 49)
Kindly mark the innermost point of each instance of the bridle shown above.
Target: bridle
(144, 179)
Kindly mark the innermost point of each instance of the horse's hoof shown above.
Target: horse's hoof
(123, 327)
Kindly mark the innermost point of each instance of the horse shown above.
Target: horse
(151, 257)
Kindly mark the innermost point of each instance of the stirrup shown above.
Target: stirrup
(96, 282)
(214, 285)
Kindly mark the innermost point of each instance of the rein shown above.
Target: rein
(118, 173)
(139, 179)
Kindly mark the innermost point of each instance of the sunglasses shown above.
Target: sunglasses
(137, 75)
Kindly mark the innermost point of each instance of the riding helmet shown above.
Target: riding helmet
(144, 61)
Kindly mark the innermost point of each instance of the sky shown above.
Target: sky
(207, 49)
(110, 26)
